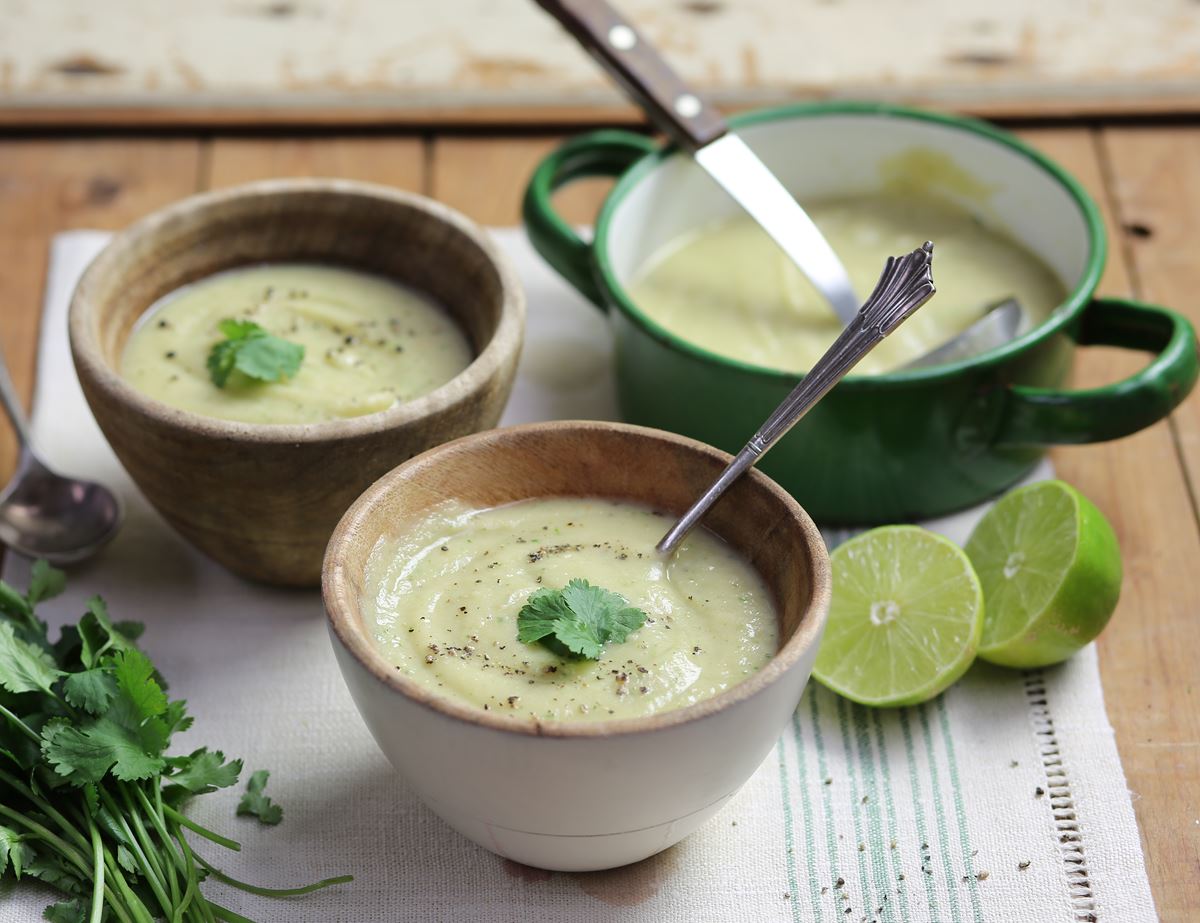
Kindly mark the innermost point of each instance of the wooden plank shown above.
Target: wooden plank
(485, 178)
(1157, 187)
(52, 185)
(451, 113)
(1149, 651)
(396, 162)
(415, 61)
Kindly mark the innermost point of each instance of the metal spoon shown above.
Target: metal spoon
(699, 130)
(905, 285)
(997, 326)
(47, 515)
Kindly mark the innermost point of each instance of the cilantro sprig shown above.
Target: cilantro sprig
(256, 804)
(578, 620)
(91, 802)
(248, 348)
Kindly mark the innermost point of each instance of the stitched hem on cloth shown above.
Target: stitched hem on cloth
(1062, 803)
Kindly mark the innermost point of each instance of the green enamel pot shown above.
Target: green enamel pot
(883, 448)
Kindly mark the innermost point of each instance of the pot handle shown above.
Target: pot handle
(599, 153)
(1047, 416)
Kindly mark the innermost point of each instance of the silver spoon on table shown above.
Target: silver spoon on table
(700, 131)
(905, 285)
(47, 515)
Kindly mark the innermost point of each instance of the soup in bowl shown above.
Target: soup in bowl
(426, 582)
(713, 330)
(247, 355)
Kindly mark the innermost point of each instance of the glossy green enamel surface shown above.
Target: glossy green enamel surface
(882, 448)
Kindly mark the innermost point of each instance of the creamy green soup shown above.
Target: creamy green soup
(728, 288)
(369, 344)
(443, 600)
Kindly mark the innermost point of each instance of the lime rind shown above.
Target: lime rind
(905, 619)
(1065, 582)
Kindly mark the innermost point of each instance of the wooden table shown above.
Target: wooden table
(1147, 181)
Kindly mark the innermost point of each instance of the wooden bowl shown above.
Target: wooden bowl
(262, 499)
(513, 784)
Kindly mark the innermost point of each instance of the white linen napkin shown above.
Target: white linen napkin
(1003, 800)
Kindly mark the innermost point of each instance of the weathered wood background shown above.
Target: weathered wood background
(438, 61)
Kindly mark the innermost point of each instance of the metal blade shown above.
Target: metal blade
(738, 171)
(998, 325)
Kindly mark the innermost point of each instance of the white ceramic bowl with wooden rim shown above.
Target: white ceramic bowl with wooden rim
(262, 499)
(574, 795)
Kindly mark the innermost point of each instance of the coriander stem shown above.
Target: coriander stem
(190, 874)
(21, 725)
(97, 875)
(148, 870)
(127, 913)
(43, 833)
(202, 831)
(165, 872)
(46, 808)
(273, 892)
(155, 813)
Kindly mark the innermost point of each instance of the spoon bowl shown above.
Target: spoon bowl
(61, 519)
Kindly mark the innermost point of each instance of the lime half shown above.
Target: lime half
(1051, 573)
(905, 619)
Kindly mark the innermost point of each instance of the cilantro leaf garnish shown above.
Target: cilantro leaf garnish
(91, 690)
(577, 620)
(90, 804)
(203, 771)
(255, 803)
(251, 350)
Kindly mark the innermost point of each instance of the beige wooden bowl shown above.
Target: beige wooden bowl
(567, 794)
(263, 499)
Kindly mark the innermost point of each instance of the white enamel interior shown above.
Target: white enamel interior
(837, 154)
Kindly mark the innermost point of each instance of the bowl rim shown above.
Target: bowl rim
(346, 629)
(92, 366)
(1077, 297)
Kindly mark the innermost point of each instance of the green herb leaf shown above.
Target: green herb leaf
(255, 803)
(55, 871)
(13, 851)
(23, 667)
(577, 620)
(127, 740)
(72, 911)
(45, 582)
(542, 612)
(98, 635)
(82, 719)
(91, 690)
(251, 350)
(135, 676)
(203, 771)
(126, 860)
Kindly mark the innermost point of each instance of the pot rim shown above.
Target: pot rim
(347, 629)
(1074, 302)
(94, 367)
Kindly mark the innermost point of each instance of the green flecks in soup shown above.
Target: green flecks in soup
(729, 289)
(368, 344)
(443, 602)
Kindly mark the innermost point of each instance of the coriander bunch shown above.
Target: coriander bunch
(90, 802)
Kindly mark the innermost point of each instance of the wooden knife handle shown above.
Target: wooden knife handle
(620, 49)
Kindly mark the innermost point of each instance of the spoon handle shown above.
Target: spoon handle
(612, 40)
(905, 284)
(12, 406)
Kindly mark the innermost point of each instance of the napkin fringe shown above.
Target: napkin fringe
(1062, 803)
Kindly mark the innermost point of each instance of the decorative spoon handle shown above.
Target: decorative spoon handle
(905, 285)
(619, 49)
